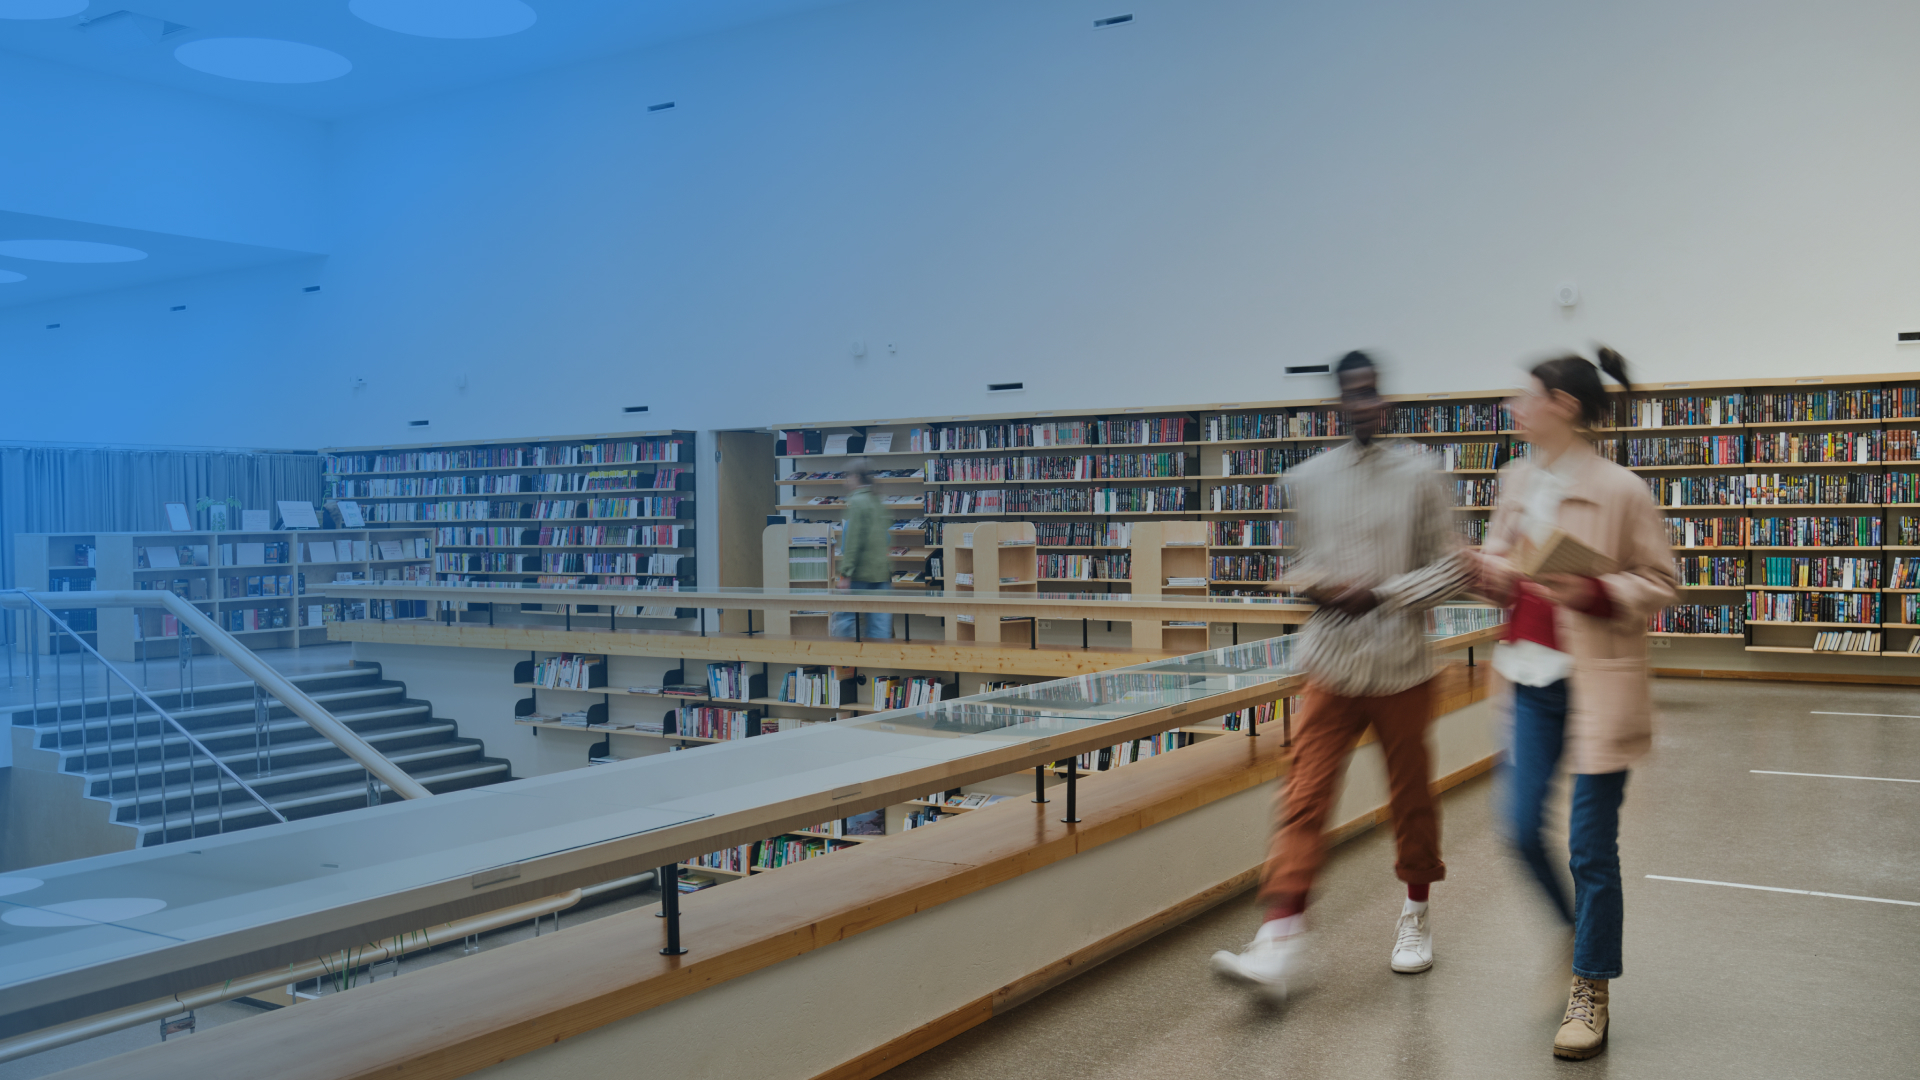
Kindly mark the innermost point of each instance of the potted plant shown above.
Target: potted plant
(218, 512)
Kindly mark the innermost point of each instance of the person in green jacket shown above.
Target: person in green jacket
(864, 562)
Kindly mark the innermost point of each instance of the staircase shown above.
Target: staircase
(303, 776)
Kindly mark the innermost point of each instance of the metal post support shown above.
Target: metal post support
(1469, 656)
(1236, 633)
(1039, 783)
(262, 737)
(1286, 721)
(703, 621)
(568, 609)
(669, 877)
(1083, 633)
(1073, 765)
(1253, 722)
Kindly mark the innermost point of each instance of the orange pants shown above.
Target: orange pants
(1329, 727)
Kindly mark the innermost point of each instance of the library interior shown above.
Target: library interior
(518, 518)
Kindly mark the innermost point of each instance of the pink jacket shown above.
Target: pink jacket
(1610, 697)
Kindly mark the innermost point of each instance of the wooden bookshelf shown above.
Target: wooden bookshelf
(269, 589)
(588, 510)
(991, 558)
(1237, 454)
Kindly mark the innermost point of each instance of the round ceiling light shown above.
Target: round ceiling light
(41, 9)
(446, 18)
(8, 277)
(265, 60)
(70, 251)
(84, 912)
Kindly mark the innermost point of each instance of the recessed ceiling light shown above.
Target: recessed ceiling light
(447, 18)
(265, 60)
(41, 9)
(8, 277)
(70, 251)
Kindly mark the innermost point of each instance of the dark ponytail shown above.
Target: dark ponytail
(1577, 376)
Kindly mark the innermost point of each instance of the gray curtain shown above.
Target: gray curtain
(61, 489)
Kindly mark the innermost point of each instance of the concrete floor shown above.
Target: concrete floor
(1720, 982)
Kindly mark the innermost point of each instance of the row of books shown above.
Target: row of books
(1457, 456)
(261, 585)
(658, 506)
(1699, 619)
(827, 687)
(1261, 566)
(1080, 467)
(713, 722)
(1114, 534)
(575, 562)
(1840, 607)
(1473, 529)
(506, 484)
(1784, 489)
(730, 680)
(1058, 501)
(870, 823)
(1003, 436)
(785, 851)
(1862, 641)
(1126, 753)
(1823, 531)
(1822, 571)
(1713, 570)
(511, 457)
(1249, 497)
(1687, 410)
(1479, 491)
(1250, 533)
(564, 536)
(1452, 620)
(1872, 403)
(734, 859)
(1259, 715)
(1068, 567)
(1322, 423)
(907, 691)
(570, 671)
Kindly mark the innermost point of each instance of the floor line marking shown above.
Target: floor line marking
(1883, 715)
(1835, 776)
(1775, 888)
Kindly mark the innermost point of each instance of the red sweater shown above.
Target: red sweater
(1531, 617)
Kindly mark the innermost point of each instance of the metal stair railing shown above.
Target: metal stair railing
(134, 745)
(269, 683)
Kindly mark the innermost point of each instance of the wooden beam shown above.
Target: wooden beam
(987, 658)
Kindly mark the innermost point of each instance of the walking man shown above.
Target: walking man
(864, 562)
(1376, 549)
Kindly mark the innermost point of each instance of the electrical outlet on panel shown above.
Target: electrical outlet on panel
(1045, 625)
(1659, 643)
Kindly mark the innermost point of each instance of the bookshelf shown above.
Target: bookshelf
(991, 558)
(266, 588)
(1785, 502)
(1085, 477)
(609, 510)
(1754, 477)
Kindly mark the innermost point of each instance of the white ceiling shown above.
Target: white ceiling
(388, 67)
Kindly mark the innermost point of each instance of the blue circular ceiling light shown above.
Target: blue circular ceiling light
(446, 18)
(41, 9)
(70, 251)
(264, 60)
(8, 277)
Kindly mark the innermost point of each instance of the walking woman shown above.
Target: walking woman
(1574, 663)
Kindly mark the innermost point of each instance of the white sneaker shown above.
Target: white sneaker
(1413, 940)
(1270, 964)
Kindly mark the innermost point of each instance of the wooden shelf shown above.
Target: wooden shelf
(1680, 633)
(690, 868)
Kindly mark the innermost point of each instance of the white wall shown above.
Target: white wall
(84, 147)
(1161, 212)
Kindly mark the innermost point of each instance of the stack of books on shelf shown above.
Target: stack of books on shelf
(713, 722)
(1861, 641)
(824, 687)
(906, 691)
(731, 681)
(569, 671)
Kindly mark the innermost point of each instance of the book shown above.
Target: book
(295, 514)
(321, 551)
(177, 518)
(350, 516)
(880, 443)
(390, 550)
(1561, 553)
(162, 556)
(256, 521)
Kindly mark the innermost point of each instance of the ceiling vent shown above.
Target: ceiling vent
(1309, 369)
(1112, 20)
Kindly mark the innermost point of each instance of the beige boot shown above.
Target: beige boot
(1583, 1032)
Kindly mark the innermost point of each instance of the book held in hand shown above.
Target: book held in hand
(1561, 553)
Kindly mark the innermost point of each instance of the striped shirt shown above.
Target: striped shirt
(1377, 516)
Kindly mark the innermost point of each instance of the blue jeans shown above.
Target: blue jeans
(1593, 840)
(879, 623)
